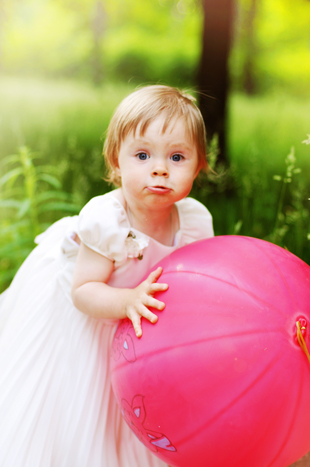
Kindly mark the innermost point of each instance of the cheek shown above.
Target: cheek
(190, 175)
(122, 168)
(131, 176)
(185, 185)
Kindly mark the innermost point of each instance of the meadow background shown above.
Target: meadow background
(66, 64)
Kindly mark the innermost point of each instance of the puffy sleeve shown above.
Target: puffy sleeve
(103, 227)
(195, 221)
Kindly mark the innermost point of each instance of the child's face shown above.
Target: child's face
(158, 169)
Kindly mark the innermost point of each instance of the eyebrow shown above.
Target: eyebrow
(177, 145)
(140, 140)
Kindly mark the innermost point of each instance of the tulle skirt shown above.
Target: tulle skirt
(57, 408)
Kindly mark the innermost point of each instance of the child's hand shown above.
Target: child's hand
(142, 297)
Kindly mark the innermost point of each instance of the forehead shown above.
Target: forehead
(162, 125)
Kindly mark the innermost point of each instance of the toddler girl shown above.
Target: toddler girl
(58, 317)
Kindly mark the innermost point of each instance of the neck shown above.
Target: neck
(159, 225)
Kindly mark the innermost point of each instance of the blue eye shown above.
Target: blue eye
(142, 156)
(176, 157)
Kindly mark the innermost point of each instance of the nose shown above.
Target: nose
(160, 170)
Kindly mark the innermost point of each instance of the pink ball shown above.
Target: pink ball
(220, 380)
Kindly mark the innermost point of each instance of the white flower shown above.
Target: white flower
(135, 245)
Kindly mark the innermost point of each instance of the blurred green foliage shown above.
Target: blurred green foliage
(30, 196)
(152, 40)
(143, 41)
(277, 43)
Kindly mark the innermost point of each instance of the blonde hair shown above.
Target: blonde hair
(140, 109)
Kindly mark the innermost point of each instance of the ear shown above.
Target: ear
(198, 170)
(116, 168)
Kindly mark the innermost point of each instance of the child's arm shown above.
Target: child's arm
(92, 296)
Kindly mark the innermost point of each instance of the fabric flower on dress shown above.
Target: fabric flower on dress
(135, 245)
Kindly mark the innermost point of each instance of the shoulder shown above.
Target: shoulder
(102, 212)
(103, 226)
(193, 206)
(195, 220)
(103, 203)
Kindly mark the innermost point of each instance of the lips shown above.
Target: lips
(159, 189)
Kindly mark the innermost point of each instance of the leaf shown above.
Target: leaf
(11, 176)
(13, 230)
(47, 169)
(49, 179)
(48, 195)
(24, 208)
(10, 248)
(15, 227)
(14, 192)
(10, 203)
(26, 155)
(10, 159)
(58, 206)
(237, 227)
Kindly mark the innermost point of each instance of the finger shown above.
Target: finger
(147, 314)
(156, 287)
(154, 303)
(155, 275)
(136, 322)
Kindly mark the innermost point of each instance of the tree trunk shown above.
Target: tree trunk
(213, 76)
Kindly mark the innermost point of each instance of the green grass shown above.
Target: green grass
(265, 128)
(31, 198)
(248, 200)
(64, 122)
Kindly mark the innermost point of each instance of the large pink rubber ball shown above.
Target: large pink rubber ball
(221, 379)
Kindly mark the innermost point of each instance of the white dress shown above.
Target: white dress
(57, 407)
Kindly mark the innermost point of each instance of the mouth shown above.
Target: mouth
(159, 189)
